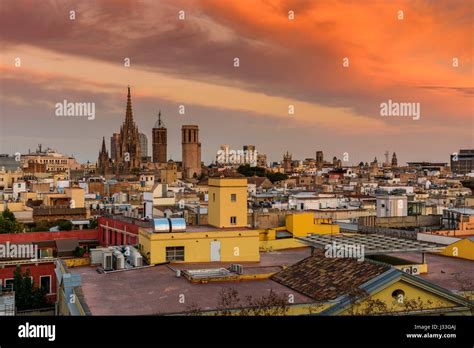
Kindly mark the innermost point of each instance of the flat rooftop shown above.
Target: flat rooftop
(203, 228)
(210, 228)
(448, 272)
(373, 243)
(157, 290)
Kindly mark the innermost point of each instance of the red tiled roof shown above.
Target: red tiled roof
(323, 278)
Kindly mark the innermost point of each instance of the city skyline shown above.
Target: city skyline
(108, 145)
(237, 158)
(282, 63)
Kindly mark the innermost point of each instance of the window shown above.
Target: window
(233, 197)
(213, 197)
(45, 283)
(9, 283)
(175, 253)
(233, 220)
(398, 295)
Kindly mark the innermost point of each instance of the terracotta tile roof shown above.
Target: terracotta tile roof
(256, 180)
(323, 278)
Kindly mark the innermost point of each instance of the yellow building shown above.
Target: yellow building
(463, 249)
(169, 174)
(300, 225)
(225, 239)
(227, 206)
(26, 196)
(207, 245)
(8, 177)
(15, 206)
(73, 197)
(296, 225)
(76, 194)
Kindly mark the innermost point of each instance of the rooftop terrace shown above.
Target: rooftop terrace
(157, 290)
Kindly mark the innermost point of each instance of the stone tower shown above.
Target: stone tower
(159, 135)
(319, 159)
(287, 162)
(394, 160)
(129, 152)
(143, 146)
(191, 151)
(103, 163)
(114, 141)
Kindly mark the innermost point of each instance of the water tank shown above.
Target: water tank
(166, 225)
(161, 225)
(178, 224)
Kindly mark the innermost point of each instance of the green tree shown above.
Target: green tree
(247, 170)
(64, 225)
(26, 295)
(79, 252)
(43, 225)
(8, 223)
(7, 214)
(274, 177)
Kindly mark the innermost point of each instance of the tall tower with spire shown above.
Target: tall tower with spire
(103, 163)
(159, 135)
(394, 160)
(129, 152)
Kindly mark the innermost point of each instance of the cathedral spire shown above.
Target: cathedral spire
(103, 150)
(394, 160)
(129, 114)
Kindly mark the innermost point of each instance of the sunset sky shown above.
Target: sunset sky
(282, 62)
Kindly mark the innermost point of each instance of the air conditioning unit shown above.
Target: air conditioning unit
(118, 260)
(107, 263)
(413, 270)
(135, 258)
(239, 269)
(138, 260)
